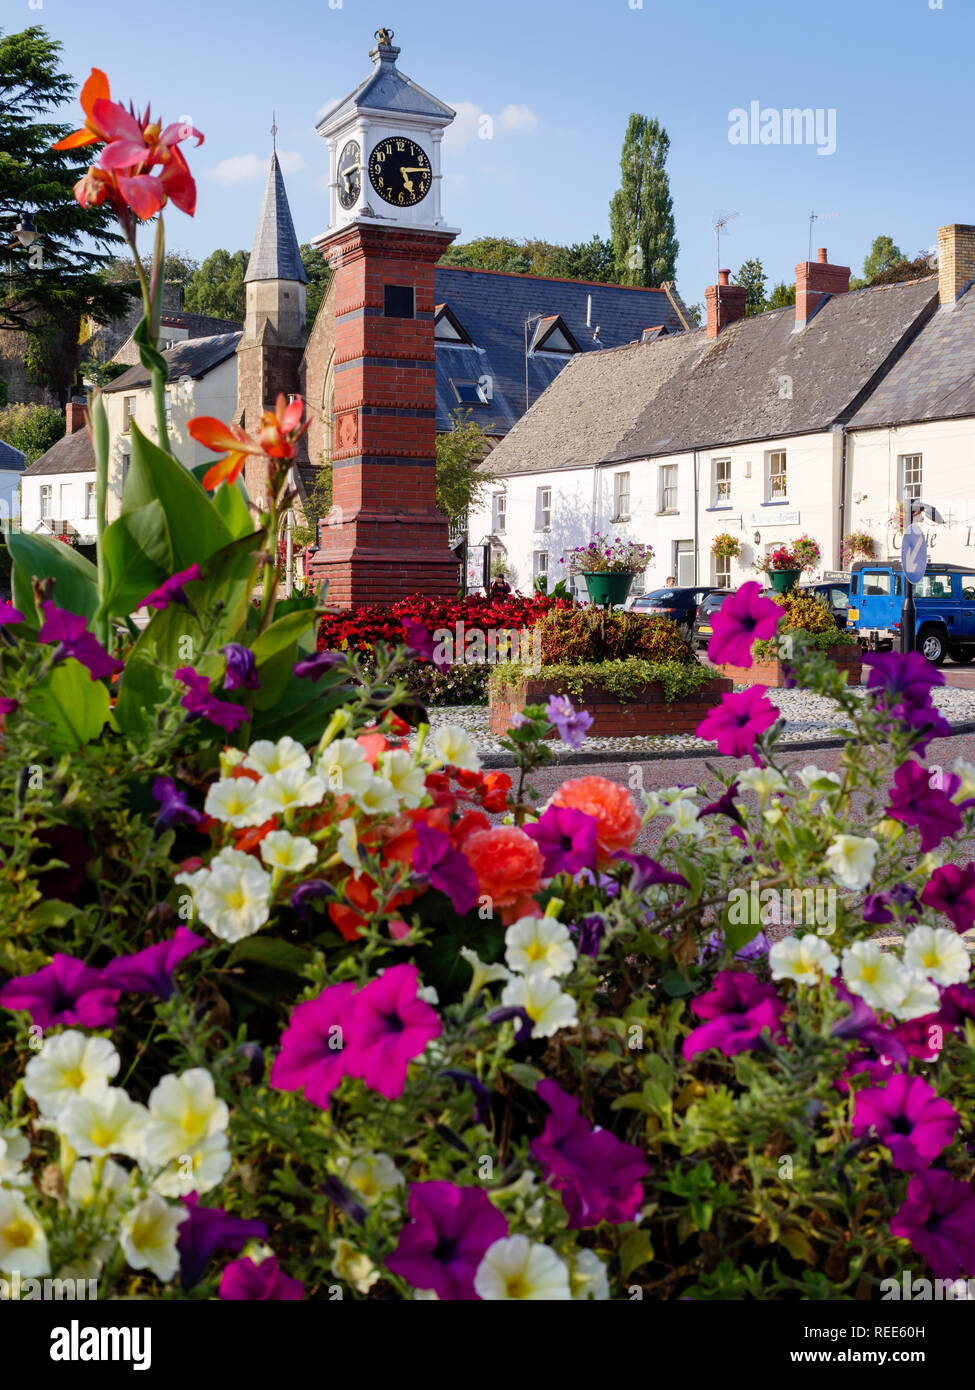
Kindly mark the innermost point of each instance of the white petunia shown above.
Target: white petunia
(234, 899)
(109, 1123)
(23, 1244)
(268, 758)
(539, 941)
(197, 1170)
(587, 1277)
(344, 768)
(517, 1268)
(814, 779)
(378, 798)
(148, 1235)
(762, 780)
(347, 848)
(286, 790)
(289, 853)
(542, 999)
(915, 997)
(14, 1149)
(229, 759)
(483, 974)
(407, 780)
(966, 772)
(107, 1193)
(684, 815)
(235, 801)
(353, 1266)
(851, 860)
(805, 959)
(372, 1176)
(69, 1064)
(938, 953)
(873, 974)
(454, 747)
(183, 1112)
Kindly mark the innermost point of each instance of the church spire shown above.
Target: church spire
(275, 254)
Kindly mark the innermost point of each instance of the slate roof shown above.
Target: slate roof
(684, 392)
(71, 454)
(492, 306)
(388, 89)
(275, 253)
(200, 325)
(935, 379)
(193, 357)
(11, 459)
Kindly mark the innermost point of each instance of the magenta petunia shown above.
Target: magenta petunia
(150, 971)
(449, 1232)
(313, 1046)
(68, 633)
(736, 723)
(599, 1176)
(267, 1281)
(9, 614)
(915, 801)
(67, 991)
(567, 839)
(445, 867)
(737, 1012)
(207, 1230)
(199, 701)
(908, 1117)
(172, 590)
(951, 890)
(742, 619)
(938, 1218)
(388, 1026)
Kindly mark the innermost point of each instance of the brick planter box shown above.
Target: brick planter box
(773, 673)
(612, 717)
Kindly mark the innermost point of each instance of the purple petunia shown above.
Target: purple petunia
(150, 971)
(724, 806)
(449, 1232)
(7, 706)
(951, 890)
(742, 619)
(9, 614)
(445, 867)
(241, 672)
(914, 801)
(737, 1012)
(174, 809)
(909, 1117)
(172, 590)
(314, 667)
(572, 724)
(599, 1177)
(67, 991)
(267, 1281)
(902, 684)
(862, 1024)
(938, 1218)
(738, 720)
(199, 701)
(567, 840)
(647, 872)
(72, 639)
(419, 642)
(207, 1230)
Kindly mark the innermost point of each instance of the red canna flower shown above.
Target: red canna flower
(280, 430)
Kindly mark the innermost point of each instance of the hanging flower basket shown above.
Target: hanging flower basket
(726, 546)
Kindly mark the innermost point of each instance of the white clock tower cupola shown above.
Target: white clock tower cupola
(384, 149)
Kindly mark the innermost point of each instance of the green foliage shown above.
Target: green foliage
(627, 678)
(319, 274)
(641, 213)
(594, 260)
(31, 428)
(782, 296)
(751, 276)
(804, 613)
(178, 269)
(591, 634)
(461, 480)
(217, 287)
(882, 255)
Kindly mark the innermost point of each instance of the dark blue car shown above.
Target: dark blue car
(678, 604)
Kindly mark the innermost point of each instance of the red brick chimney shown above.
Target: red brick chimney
(726, 304)
(816, 281)
(74, 416)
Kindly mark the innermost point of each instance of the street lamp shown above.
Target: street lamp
(26, 231)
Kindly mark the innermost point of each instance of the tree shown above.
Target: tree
(781, 296)
(50, 286)
(501, 253)
(751, 276)
(217, 288)
(641, 213)
(883, 254)
(31, 428)
(178, 268)
(589, 260)
(319, 273)
(461, 481)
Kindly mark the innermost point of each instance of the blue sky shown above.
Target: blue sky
(560, 78)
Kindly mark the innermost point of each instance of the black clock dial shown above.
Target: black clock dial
(349, 174)
(400, 171)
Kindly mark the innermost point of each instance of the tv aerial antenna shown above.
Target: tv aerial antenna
(721, 220)
(817, 217)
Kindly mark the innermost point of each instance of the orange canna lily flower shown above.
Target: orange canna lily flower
(280, 429)
(95, 89)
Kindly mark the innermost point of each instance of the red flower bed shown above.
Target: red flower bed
(361, 628)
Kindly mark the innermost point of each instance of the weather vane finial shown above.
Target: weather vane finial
(274, 132)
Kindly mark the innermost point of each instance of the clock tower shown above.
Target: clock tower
(384, 538)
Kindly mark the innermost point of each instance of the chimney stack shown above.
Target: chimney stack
(74, 416)
(815, 282)
(725, 304)
(956, 260)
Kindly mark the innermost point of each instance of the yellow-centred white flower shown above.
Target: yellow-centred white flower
(539, 941)
(148, 1235)
(516, 1268)
(69, 1064)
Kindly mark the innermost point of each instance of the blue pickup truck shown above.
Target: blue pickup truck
(945, 602)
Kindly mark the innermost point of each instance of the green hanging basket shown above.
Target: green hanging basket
(608, 588)
(784, 581)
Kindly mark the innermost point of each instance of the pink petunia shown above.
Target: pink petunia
(742, 619)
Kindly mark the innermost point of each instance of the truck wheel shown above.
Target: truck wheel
(932, 645)
(963, 655)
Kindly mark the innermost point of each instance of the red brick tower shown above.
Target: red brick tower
(385, 537)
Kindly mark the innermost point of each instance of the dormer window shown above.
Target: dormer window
(469, 392)
(552, 335)
(447, 328)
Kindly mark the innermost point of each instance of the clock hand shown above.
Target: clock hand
(407, 181)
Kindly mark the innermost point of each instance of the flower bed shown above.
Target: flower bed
(769, 668)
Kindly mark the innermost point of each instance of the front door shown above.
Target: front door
(684, 563)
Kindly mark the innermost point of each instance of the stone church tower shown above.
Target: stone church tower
(269, 352)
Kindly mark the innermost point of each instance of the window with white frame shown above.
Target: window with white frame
(684, 563)
(621, 496)
(776, 485)
(169, 410)
(128, 412)
(66, 508)
(499, 513)
(89, 501)
(543, 509)
(668, 487)
(721, 482)
(540, 564)
(911, 476)
(47, 498)
(722, 571)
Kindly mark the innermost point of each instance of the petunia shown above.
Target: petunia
(174, 809)
(71, 638)
(539, 941)
(737, 1012)
(172, 590)
(151, 970)
(23, 1244)
(518, 1269)
(199, 701)
(445, 867)
(951, 890)
(314, 667)
(807, 959)
(938, 953)
(69, 1064)
(207, 1230)
(647, 873)
(599, 1176)
(548, 1006)
(737, 721)
(420, 642)
(908, 1117)
(938, 1218)
(450, 1230)
(67, 992)
(851, 859)
(9, 614)
(915, 801)
(388, 1026)
(572, 725)
(743, 618)
(267, 1281)
(241, 669)
(567, 839)
(872, 973)
(313, 1046)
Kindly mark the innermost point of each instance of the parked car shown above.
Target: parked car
(706, 609)
(835, 594)
(679, 604)
(945, 603)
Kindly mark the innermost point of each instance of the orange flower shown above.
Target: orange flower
(508, 865)
(611, 807)
(91, 133)
(280, 430)
(360, 892)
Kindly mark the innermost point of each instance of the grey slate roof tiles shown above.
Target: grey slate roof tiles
(71, 454)
(275, 254)
(11, 459)
(194, 357)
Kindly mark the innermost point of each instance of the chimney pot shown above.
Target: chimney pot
(723, 276)
(816, 281)
(74, 416)
(821, 255)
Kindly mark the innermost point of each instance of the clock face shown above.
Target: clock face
(349, 174)
(400, 172)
